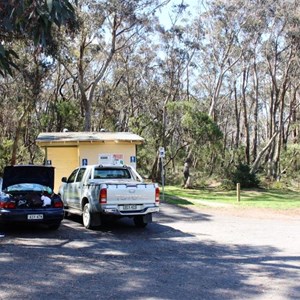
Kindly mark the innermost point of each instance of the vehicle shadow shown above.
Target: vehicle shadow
(120, 261)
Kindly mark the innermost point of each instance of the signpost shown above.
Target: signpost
(161, 155)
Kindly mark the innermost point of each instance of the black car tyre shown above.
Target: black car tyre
(86, 216)
(139, 222)
(54, 226)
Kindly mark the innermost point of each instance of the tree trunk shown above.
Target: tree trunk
(14, 149)
(256, 163)
(255, 112)
(245, 113)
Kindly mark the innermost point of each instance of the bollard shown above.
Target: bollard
(238, 192)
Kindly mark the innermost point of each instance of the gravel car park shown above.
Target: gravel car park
(199, 253)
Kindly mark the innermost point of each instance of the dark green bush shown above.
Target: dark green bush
(241, 174)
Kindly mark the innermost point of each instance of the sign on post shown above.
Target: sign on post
(161, 152)
(161, 155)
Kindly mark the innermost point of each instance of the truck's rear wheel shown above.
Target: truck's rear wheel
(140, 222)
(86, 216)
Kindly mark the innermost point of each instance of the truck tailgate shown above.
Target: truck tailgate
(133, 193)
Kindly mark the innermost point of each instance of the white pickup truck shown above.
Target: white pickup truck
(96, 191)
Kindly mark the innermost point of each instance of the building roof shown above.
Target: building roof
(53, 137)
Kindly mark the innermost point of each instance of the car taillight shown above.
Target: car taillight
(8, 205)
(103, 196)
(157, 193)
(58, 204)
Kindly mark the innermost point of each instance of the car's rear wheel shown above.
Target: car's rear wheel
(139, 221)
(54, 226)
(86, 216)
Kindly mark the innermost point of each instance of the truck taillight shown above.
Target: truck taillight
(157, 193)
(103, 196)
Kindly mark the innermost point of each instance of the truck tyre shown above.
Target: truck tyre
(140, 222)
(87, 217)
(66, 214)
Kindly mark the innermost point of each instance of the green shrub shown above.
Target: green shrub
(241, 174)
(227, 185)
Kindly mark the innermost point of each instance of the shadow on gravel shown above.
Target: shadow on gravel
(120, 261)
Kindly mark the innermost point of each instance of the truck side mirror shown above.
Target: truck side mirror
(64, 179)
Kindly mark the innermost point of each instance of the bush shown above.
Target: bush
(241, 174)
(227, 185)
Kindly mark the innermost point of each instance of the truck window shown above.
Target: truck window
(80, 174)
(111, 174)
(72, 176)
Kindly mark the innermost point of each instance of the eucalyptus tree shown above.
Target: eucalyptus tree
(220, 23)
(21, 102)
(26, 38)
(177, 48)
(219, 65)
(107, 27)
(248, 64)
(31, 20)
(149, 75)
(282, 59)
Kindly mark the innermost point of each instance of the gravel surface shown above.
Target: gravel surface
(204, 253)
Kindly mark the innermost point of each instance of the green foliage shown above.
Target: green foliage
(241, 174)
(5, 153)
(227, 184)
(277, 185)
(64, 114)
(197, 125)
(31, 20)
(200, 127)
(201, 135)
(143, 125)
(6, 61)
(145, 159)
(164, 98)
(290, 161)
(68, 114)
(23, 154)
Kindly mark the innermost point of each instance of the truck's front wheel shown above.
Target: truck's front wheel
(86, 216)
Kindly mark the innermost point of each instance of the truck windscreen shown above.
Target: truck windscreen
(111, 173)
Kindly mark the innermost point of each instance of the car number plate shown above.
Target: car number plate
(130, 207)
(35, 217)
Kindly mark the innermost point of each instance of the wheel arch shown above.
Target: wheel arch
(84, 201)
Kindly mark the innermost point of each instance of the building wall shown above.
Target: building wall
(125, 152)
(66, 158)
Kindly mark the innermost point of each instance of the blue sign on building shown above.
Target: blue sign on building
(132, 159)
(84, 162)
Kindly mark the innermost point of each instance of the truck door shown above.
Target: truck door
(77, 188)
(68, 189)
(72, 189)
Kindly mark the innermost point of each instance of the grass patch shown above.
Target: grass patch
(275, 199)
